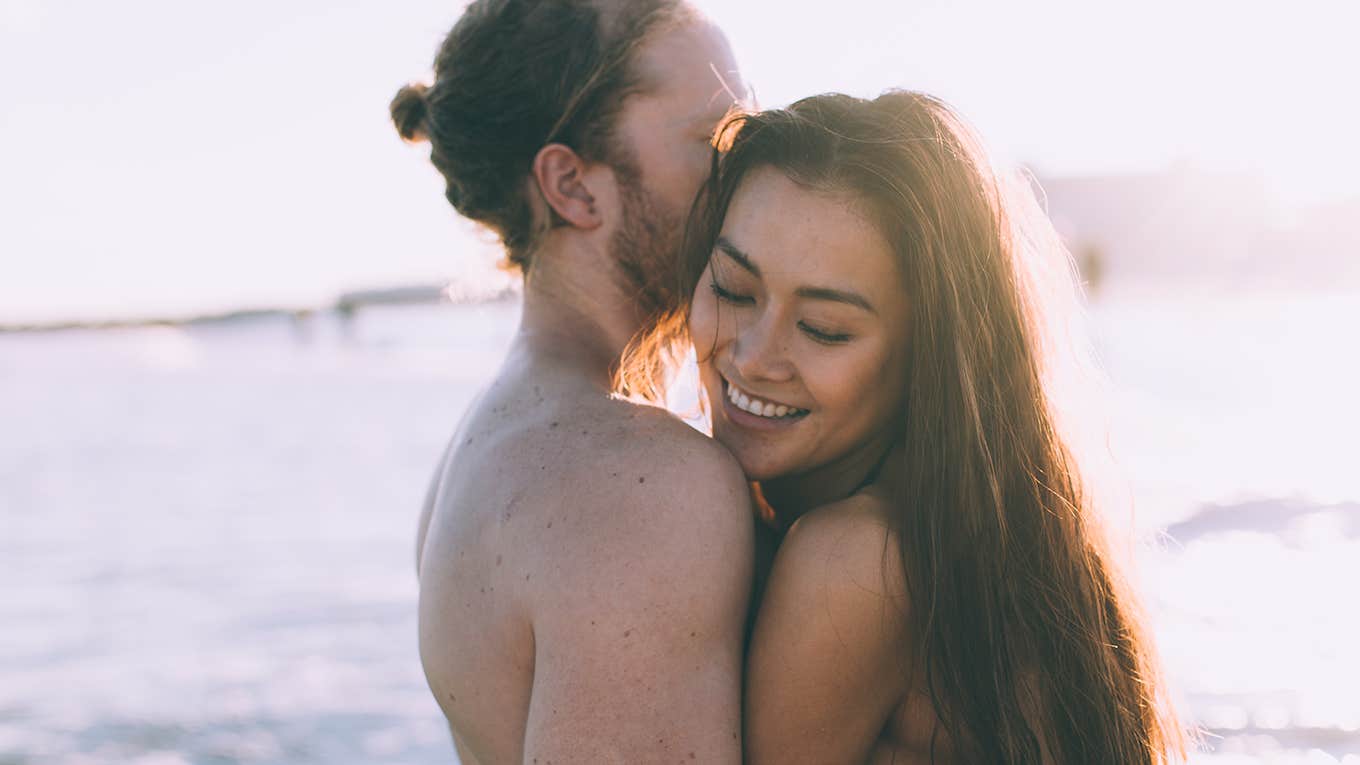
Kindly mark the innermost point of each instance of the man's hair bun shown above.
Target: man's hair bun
(411, 112)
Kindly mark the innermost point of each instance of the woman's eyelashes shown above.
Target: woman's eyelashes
(817, 334)
(823, 336)
(727, 296)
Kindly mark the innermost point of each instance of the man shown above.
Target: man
(585, 563)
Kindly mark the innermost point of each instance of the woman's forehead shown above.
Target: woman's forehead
(787, 227)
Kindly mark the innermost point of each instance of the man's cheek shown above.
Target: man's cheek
(701, 161)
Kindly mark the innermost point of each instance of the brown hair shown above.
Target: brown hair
(513, 76)
(1032, 644)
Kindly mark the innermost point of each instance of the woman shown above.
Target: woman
(866, 300)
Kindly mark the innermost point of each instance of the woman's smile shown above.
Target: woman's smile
(757, 406)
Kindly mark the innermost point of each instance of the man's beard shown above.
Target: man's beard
(646, 246)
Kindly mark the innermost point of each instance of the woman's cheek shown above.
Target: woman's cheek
(846, 382)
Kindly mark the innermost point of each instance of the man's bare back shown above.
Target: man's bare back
(584, 560)
(585, 563)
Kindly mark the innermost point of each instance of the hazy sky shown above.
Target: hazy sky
(158, 156)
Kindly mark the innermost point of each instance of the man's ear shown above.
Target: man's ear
(561, 176)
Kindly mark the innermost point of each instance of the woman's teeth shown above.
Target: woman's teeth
(760, 408)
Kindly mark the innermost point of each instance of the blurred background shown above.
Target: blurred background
(239, 320)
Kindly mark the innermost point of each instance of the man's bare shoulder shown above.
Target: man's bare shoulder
(650, 436)
(642, 476)
(646, 576)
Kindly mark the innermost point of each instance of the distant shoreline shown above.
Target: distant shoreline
(345, 305)
(1187, 284)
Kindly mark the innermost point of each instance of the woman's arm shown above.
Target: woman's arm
(829, 660)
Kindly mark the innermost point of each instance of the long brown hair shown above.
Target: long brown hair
(1031, 642)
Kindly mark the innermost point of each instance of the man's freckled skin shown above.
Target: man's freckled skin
(534, 448)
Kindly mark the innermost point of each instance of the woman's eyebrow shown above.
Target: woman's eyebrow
(838, 296)
(726, 247)
(731, 251)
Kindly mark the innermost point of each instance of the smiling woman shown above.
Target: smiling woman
(807, 312)
(864, 297)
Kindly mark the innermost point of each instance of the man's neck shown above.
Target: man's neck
(575, 312)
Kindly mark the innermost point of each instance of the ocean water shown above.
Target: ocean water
(206, 533)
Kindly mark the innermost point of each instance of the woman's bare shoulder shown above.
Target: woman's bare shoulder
(857, 535)
(828, 660)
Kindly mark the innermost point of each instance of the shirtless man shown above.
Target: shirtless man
(585, 563)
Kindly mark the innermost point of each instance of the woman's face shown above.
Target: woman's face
(800, 323)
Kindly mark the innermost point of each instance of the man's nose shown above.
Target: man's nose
(760, 351)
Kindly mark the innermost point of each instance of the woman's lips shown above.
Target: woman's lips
(748, 411)
(759, 407)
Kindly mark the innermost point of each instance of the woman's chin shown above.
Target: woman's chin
(758, 466)
(756, 473)
(763, 454)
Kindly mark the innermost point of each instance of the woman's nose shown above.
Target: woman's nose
(760, 352)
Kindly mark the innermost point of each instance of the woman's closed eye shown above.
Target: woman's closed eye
(815, 333)
(824, 336)
(728, 296)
